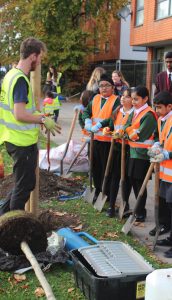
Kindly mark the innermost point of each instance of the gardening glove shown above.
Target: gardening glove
(118, 134)
(79, 107)
(155, 150)
(164, 155)
(96, 127)
(132, 133)
(51, 125)
(88, 125)
(106, 130)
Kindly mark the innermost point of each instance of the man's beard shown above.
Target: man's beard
(33, 66)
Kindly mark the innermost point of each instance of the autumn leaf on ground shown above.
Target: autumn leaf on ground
(78, 228)
(19, 278)
(25, 286)
(59, 214)
(39, 292)
(110, 234)
(70, 290)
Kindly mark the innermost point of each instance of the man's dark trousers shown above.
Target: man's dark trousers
(25, 162)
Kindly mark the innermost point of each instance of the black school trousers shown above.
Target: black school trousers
(24, 167)
(100, 156)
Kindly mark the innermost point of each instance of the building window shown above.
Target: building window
(139, 12)
(164, 8)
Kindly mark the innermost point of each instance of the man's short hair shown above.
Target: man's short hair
(168, 55)
(30, 46)
(163, 97)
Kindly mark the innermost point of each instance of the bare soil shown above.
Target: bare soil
(50, 185)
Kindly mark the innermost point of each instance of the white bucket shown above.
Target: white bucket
(159, 285)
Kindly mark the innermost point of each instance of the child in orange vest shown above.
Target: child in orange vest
(99, 109)
(116, 126)
(139, 130)
(161, 152)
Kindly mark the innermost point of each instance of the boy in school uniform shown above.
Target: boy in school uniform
(99, 109)
(161, 153)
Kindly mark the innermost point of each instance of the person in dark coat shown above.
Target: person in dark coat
(164, 79)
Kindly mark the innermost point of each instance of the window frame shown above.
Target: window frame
(138, 10)
(169, 9)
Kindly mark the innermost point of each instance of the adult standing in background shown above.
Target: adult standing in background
(93, 83)
(164, 83)
(19, 123)
(164, 79)
(120, 83)
(51, 80)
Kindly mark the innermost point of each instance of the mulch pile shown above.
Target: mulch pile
(50, 185)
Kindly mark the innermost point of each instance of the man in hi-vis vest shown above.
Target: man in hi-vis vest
(19, 123)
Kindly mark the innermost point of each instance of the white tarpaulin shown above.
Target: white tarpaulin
(56, 154)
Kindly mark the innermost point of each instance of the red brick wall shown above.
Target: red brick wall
(152, 30)
(114, 42)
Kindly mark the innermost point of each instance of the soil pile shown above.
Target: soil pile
(50, 185)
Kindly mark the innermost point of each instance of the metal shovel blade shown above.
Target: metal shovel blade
(100, 202)
(88, 197)
(128, 224)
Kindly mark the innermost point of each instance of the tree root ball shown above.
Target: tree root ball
(18, 226)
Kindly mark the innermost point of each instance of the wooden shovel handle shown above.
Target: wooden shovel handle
(76, 156)
(108, 165)
(39, 274)
(147, 177)
(123, 160)
(91, 160)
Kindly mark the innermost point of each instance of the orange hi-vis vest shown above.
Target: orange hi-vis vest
(136, 125)
(166, 139)
(119, 123)
(99, 114)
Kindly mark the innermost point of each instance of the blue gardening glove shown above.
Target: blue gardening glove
(164, 155)
(79, 107)
(51, 125)
(96, 127)
(155, 150)
(88, 125)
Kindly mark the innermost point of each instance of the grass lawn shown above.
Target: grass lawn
(61, 277)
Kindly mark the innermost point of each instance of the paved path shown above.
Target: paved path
(142, 233)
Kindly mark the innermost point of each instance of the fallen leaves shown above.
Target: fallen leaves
(70, 290)
(109, 235)
(139, 224)
(19, 278)
(39, 292)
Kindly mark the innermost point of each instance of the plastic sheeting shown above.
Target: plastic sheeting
(56, 154)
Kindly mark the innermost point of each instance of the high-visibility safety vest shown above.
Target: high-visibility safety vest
(166, 139)
(13, 131)
(136, 125)
(119, 123)
(58, 88)
(99, 114)
(50, 107)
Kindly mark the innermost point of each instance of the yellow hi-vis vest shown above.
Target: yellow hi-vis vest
(13, 131)
(50, 107)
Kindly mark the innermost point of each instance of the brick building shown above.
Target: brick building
(151, 26)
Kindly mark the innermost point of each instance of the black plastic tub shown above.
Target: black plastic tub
(94, 287)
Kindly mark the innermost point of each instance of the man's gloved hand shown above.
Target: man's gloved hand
(51, 125)
(155, 150)
(96, 127)
(88, 125)
(164, 155)
(106, 130)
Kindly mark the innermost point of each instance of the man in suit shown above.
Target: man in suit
(164, 83)
(164, 79)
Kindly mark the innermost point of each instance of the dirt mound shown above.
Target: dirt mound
(53, 220)
(50, 185)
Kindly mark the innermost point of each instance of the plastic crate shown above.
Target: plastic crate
(95, 287)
